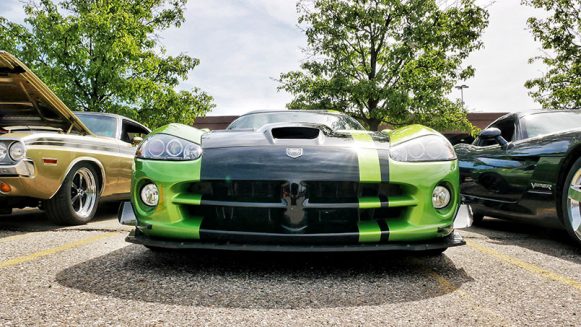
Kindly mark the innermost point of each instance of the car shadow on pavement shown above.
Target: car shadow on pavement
(264, 280)
(34, 220)
(553, 242)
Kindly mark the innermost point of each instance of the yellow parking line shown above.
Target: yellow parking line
(526, 266)
(64, 247)
(448, 287)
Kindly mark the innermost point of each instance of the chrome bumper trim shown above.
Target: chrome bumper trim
(22, 168)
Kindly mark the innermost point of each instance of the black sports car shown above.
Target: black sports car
(526, 166)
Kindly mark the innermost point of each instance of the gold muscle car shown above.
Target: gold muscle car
(52, 158)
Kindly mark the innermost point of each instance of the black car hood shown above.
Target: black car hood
(290, 152)
(289, 134)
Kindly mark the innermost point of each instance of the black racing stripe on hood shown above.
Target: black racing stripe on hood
(384, 164)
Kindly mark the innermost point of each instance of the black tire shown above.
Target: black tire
(571, 209)
(61, 208)
(476, 217)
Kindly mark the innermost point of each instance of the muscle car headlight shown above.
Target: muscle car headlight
(3, 151)
(17, 151)
(424, 148)
(167, 147)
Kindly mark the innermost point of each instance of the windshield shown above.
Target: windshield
(100, 125)
(257, 120)
(550, 122)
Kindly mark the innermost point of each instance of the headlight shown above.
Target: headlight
(424, 148)
(17, 151)
(167, 147)
(3, 151)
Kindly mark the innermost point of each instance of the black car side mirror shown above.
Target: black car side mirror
(494, 133)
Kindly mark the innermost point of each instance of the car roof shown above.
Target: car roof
(318, 111)
(107, 114)
(521, 114)
(545, 111)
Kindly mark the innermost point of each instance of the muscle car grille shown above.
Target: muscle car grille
(283, 206)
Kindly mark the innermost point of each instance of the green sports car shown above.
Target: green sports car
(294, 181)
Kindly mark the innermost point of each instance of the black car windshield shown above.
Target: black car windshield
(100, 125)
(257, 120)
(550, 122)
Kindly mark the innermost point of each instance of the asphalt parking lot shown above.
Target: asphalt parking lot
(508, 274)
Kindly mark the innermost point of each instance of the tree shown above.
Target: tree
(391, 61)
(105, 56)
(560, 36)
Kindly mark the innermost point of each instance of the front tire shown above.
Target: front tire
(76, 201)
(571, 200)
(476, 217)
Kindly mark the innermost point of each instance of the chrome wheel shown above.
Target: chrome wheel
(83, 192)
(573, 201)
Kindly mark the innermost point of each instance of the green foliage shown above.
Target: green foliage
(391, 61)
(104, 55)
(560, 35)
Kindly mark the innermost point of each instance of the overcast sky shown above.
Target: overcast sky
(244, 44)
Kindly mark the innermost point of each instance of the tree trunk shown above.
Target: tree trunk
(373, 124)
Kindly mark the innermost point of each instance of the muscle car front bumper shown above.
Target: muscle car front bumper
(22, 168)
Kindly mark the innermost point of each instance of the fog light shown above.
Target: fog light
(150, 195)
(441, 197)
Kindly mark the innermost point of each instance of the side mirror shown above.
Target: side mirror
(494, 133)
(386, 131)
(136, 140)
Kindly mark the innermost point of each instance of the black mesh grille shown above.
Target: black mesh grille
(241, 191)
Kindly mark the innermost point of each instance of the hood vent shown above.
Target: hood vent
(295, 133)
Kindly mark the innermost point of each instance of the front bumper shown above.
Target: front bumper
(454, 239)
(274, 242)
(24, 168)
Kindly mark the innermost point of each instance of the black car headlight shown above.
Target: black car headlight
(168, 147)
(424, 148)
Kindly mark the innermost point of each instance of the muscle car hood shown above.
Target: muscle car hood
(294, 135)
(26, 101)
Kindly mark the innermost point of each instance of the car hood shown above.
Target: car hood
(294, 134)
(26, 102)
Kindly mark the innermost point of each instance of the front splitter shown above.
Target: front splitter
(451, 240)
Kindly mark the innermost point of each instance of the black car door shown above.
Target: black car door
(491, 172)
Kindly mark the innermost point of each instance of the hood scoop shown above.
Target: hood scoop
(295, 133)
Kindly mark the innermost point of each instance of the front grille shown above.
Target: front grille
(239, 191)
(289, 207)
(344, 192)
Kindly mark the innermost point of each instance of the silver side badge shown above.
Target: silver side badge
(294, 152)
